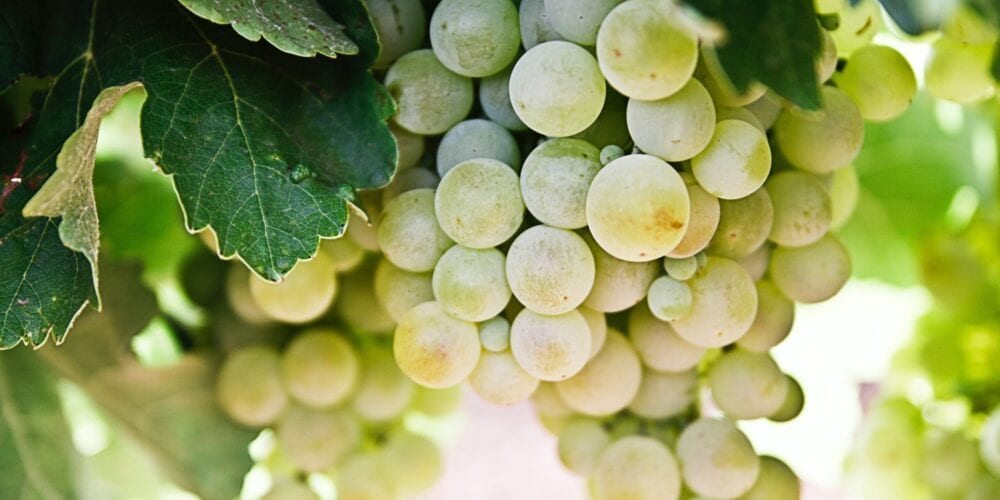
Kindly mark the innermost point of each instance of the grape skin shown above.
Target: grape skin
(717, 460)
(494, 334)
(314, 440)
(794, 402)
(811, 273)
(478, 203)
(637, 467)
(580, 443)
(578, 20)
(499, 379)
(471, 284)
(305, 293)
(669, 299)
(608, 382)
(401, 27)
(409, 234)
(475, 37)
(320, 368)
(477, 138)
(747, 385)
(618, 284)
(399, 290)
(535, 26)
(598, 325)
(775, 315)
(550, 271)
(802, 208)
(435, 349)
(384, 392)
(555, 180)
(673, 128)
(722, 285)
(550, 348)
(249, 387)
(880, 81)
(429, 97)
(821, 141)
(702, 223)
(411, 461)
(664, 395)
(494, 98)
(735, 163)
(776, 481)
(658, 344)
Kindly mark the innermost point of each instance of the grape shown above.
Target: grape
(674, 128)
(722, 285)
(757, 262)
(859, 22)
(494, 334)
(735, 163)
(986, 487)
(411, 461)
(548, 403)
(409, 234)
(384, 392)
(344, 254)
(644, 52)
(702, 223)
(401, 27)
(475, 37)
(578, 20)
(610, 126)
(437, 402)
(776, 481)
(360, 309)
(478, 203)
(319, 368)
(638, 468)
(680, 269)
(555, 180)
(826, 65)
(638, 208)
(568, 68)
(408, 180)
(959, 72)
(430, 98)
(304, 294)
(409, 145)
(811, 273)
(470, 284)
(580, 443)
(743, 114)
(766, 109)
(965, 25)
(608, 382)
(290, 489)
(989, 444)
(843, 191)
(361, 231)
(535, 26)
(618, 284)
(664, 395)
(433, 348)
(747, 385)
(717, 460)
(500, 380)
(494, 98)
(802, 209)
(710, 73)
(610, 153)
(364, 476)
(598, 326)
(314, 439)
(669, 299)
(249, 388)
(879, 80)
(775, 314)
(398, 291)
(658, 344)
(950, 462)
(239, 298)
(794, 401)
(550, 270)
(821, 141)
(477, 138)
(550, 347)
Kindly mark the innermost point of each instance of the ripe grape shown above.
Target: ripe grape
(702, 223)
(802, 208)
(399, 290)
(618, 284)
(608, 382)
(795, 400)
(499, 379)
(384, 392)
(735, 163)
(598, 325)
(721, 285)
(478, 203)
(637, 467)
(578, 20)
(580, 443)
(680, 269)
(360, 309)
(673, 128)
(879, 80)
(433, 348)
(555, 180)
(344, 254)
(494, 334)
(364, 476)
(436, 402)
(319, 367)
(669, 299)
(664, 395)
(535, 25)
(494, 97)
(249, 387)
(747, 385)
(717, 460)
(658, 344)
(401, 27)
(550, 270)
(710, 73)
(304, 294)
(314, 439)
(775, 314)
(410, 146)
(811, 273)
(409, 234)
(843, 191)
(858, 22)
(742, 114)
(756, 263)
(550, 347)
(767, 108)
(477, 138)
(471, 284)
(430, 98)
(475, 37)
(411, 461)
(821, 141)
(776, 481)
(959, 71)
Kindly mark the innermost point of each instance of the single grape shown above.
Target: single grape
(475, 37)
(319, 367)
(702, 223)
(658, 344)
(249, 388)
(722, 285)
(478, 203)
(409, 234)
(398, 290)
(618, 284)
(639, 468)
(362, 231)
(959, 72)
(360, 309)
(494, 334)
(673, 128)
(550, 347)
(608, 382)
(966, 25)
(555, 180)
(802, 208)
(535, 26)
(401, 27)
(430, 98)
(240, 299)
(408, 180)
(825, 140)
(858, 23)
(578, 20)
(776, 481)
(767, 108)
(664, 395)
(843, 191)
(756, 263)
(680, 269)
(409, 145)
(610, 153)
(305, 293)
(477, 138)
(411, 461)
(598, 325)
(811, 273)
(775, 315)
(344, 253)
(550, 270)
(735, 163)
(471, 284)
(494, 98)
(717, 460)
(548, 403)
(384, 392)
(879, 80)
(747, 385)
(433, 348)
(795, 400)
(499, 379)
(314, 439)
(669, 299)
(580, 443)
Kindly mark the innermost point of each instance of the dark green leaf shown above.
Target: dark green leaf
(775, 42)
(19, 21)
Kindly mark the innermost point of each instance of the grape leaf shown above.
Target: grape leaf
(299, 27)
(36, 452)
(775, 42)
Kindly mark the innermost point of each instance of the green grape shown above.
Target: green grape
(826, 64)
(644, 52)
(319, 367)
(411, 461)
(743, 114)
(811, 273)
(658, 344)
(717, 460)
(598, 325)
(775, 315)
(398, 291)
(314, 439)
(669, 299)
(430, 98)
(989, 442)
(702, 223)
(879, 80)
(478, 203)
(365, 476)
(494, 98)
(477, 138)
(950, 462)
(610, 153)
(304, 294)
(401, 27)
(344, 253)
(494, 334)
(638, 208)
(475, 37)
(535, 26)
(859, 22)
(986, 487)
(756, 263)
(409, 145)
(433, 348)
(408, 180)
(471, 284)
(825, 140)
(767, 108)
(249, 388)
(664, 395)
(680, 269)
(499, 379)
(239, 298)
(409, 234)
(965, 25)
(290, 489)
(802, 208)
(637, 468)
(361, 231)
(610, 126)
(747, 385)
(578, 20)
(555, 180)
(384, 392)
(608, 382)
(795, 400)
(735, 163)
(674, 128)
(548, 403)
(563, 66)
(959, 72)
(843, 191)
(580, 443)
(776, 481)
(550, 347)
(437, 402)
(550, 270)
(722, 285)
(744, 225)
(618, 284)
(360, 309)
(710, 73)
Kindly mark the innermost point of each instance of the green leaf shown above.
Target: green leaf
(299, 27)
(775, 42)
(170, 410)
(36, 451)
(18, 40)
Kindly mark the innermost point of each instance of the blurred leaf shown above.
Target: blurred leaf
(916, 17)
(36, 451)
